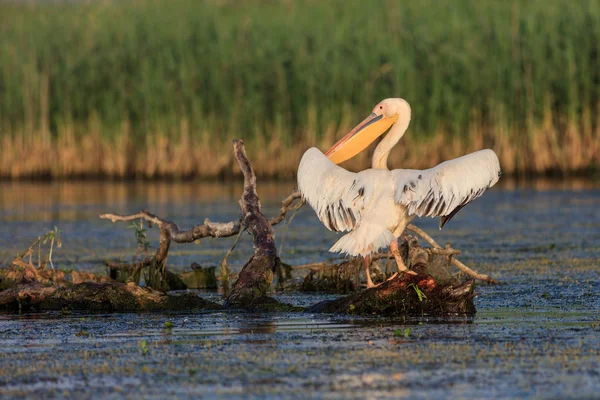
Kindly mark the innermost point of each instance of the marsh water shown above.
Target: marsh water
(537, 334)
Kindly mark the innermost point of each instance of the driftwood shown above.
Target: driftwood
(27, 288)
(336, 276)
(342, 276)
(169, 231)
(406, 295)
(90, 296)
(256, 276)
(433, 291)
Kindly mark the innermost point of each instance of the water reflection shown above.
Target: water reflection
(512, 216)
(69, 201)
(262, 326)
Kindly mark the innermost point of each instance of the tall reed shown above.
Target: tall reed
(157, 87)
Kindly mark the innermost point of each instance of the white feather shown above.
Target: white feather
(331, 191)
(438, 191)
(347, 201)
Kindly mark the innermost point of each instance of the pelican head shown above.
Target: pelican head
(384, 115)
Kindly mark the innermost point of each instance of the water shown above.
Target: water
(535, 335)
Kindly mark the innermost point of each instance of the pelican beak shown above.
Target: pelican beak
(360, 137)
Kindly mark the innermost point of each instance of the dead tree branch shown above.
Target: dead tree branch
(209, 228)
(449, 251)
(256, 276)
(169, 231)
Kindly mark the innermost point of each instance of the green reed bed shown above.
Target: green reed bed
(522, 76)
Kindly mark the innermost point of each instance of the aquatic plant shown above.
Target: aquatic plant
(418, 291)
(52, 238)
(144, 347)
(141, 237)
(402, 332)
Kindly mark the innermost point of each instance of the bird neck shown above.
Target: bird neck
(382, 151)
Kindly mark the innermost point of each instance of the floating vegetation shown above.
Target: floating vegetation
(144, 347)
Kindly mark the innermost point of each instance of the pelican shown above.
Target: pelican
(376, 205)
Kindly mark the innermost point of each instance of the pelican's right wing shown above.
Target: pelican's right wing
(337, 196)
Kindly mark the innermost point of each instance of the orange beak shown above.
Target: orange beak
(360, 137)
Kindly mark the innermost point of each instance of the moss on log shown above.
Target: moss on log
(433, 291)
(91, 296)
(405, 295)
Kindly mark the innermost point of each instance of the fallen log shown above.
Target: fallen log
(27, 288)
(405, 295)
(433, 291)
(91, 296)
(333, 277)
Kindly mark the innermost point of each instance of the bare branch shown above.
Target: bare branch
(286, 205)
(141, 215)
(251, 219)
(456, 262)
(209, 228)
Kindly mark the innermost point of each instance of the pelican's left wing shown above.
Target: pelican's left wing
(443, 190)
(337, 196)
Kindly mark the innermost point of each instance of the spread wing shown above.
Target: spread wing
(443, 190)
(337, 196)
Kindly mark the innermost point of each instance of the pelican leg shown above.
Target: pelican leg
(399, 262)
(367, 263)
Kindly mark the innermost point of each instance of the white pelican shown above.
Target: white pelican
(376, 205)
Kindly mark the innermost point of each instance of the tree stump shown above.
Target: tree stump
(256, 276)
